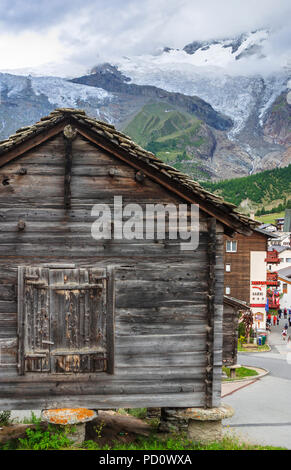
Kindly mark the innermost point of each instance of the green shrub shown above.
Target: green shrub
(53, 438)
(5, 418)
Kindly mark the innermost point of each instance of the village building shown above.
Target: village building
(232, 309)
(268, 227)
(280, 224)
(245, 277)
(283, 239)
(285, 289)
(116, 321)
(284, 255)
(287, 221)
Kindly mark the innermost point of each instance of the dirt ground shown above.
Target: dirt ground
(110, 427)
(107, 428)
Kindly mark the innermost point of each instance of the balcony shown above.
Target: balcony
(272, 276)
(272, 257)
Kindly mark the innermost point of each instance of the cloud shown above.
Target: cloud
(35, 15)
(84, 32)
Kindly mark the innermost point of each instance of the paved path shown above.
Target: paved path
(263, 409)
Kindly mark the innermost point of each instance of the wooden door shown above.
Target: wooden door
(62, 323)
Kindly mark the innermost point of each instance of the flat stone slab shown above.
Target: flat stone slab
(68, 416)
(207, 414)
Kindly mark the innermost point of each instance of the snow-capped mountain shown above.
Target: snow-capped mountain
(232, 85)
(225, 73)
(23, 100)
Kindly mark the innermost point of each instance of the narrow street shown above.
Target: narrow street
(263, 409)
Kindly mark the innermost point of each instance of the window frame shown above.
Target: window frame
(232, 244)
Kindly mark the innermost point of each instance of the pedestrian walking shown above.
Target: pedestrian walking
(285, 313)
(290, 320)
(278, 322)
(284, 334)
(279, 313)
(274, 320)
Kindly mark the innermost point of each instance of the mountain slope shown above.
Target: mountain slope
(24, 100)
(235, 75)
(222, 83)
(176, 137)
(265, 190)
(110, 79)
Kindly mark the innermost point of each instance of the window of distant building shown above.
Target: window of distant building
(231, 246)
(227, 290)
(288, 260)
(227, 268)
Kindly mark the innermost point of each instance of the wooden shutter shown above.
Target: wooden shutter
(33, 320)
(77, 321)
(64, 320)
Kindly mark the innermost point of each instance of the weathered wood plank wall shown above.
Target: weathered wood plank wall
(230, 334)
(161, 292)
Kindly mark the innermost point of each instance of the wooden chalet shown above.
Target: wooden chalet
(231, 310)
(237, 259)
(108, 323)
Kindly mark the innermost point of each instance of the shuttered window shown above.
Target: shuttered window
(62, 320)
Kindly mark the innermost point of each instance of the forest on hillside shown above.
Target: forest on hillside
(260, 188)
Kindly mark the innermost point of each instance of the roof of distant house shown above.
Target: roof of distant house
(285, 272)
(265, 226)
(267, 233)
(235, 302)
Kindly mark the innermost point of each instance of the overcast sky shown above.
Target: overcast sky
(81, 33)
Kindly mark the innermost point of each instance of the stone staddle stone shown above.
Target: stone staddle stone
(204, 424)
(71, 417)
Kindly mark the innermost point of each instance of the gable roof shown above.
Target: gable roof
(106, 136)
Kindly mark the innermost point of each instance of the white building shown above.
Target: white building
(285, 291)
(283, 239)
(284, 254)
(258, 287)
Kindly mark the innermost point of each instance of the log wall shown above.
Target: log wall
(167, 331)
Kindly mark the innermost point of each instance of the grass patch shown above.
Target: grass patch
(136, 412)
(240, 373)
(32, 420)
(270, 218)
(48, 440)
(262, 348)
